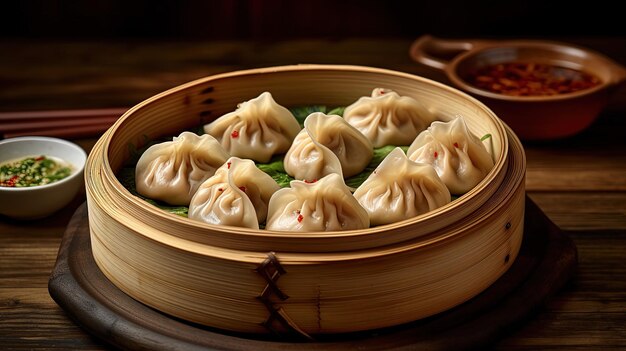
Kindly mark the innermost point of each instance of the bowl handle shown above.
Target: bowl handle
(618, 74)
(437, 53)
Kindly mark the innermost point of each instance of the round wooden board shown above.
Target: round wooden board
(547, 259)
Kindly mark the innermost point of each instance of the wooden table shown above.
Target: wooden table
(580, 182)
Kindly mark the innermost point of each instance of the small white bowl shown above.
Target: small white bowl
(43, 200)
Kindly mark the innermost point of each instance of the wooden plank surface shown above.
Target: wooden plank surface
(579, 182)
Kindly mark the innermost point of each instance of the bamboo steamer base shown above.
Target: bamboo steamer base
(318, 283)
(546, 260)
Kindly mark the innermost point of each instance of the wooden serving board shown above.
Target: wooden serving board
(547, 259)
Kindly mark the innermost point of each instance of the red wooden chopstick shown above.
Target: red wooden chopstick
(58, 123)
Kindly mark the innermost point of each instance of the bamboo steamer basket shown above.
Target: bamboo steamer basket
(257, 281)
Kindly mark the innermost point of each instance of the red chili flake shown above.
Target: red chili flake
(436, 154)
(234, 134)
(310, 181)
(228, 164)
(456, 145)
(531, 79)
(300, 218)
(381, 92)
(11, 181)
(220, 189)
(40, 158)
(242, 188)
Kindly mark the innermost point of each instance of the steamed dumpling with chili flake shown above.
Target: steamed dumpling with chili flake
(324, 205)
(387, 118)
(400, 189)
(238, 195)
(459, 157)
(327, 144)
(258, 129)
(172, 171)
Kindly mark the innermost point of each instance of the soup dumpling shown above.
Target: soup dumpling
(400, 189)
(172, 171)
(327, 144)
(258, 129)
(459, 157)
(387, 118)
(238, 195)
(324, 205)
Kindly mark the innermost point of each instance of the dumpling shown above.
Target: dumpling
(387, 118)
(238, 195)
(172, 171)
(400, 189)
(220, 202)
(459, 157)
(258, 129)
(325, 205)
(327, 144)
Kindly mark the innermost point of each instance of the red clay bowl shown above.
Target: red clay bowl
(531, 117)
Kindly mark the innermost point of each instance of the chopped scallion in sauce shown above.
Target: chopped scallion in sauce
(32, 171)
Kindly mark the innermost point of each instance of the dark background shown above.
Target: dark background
(275, 20)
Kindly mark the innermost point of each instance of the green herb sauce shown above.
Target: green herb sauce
(32, 171)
